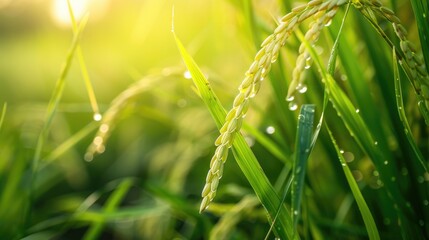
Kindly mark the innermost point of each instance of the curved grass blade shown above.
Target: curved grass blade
(402, 115)
(83, 69)
(3, 114)
(56, 96)
(242, 153)
(369, 15)
(69, 143)
(51, 110)
(228, 221)
(269, 144)
(302, 152)
(421, 13)
(360, 132)
(363, 207)
(109, 208)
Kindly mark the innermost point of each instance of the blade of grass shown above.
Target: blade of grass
(57, 94)
(360, 132)
(370, 17)
(71, 142)
(269, 144)
(92, 216)
(242, 153)
(84, 70)
(402, 115)
(3, 114)
(226, 224)
(421, 13)
(51, 109)
(302, 152)
(363, 207)
(109, 208)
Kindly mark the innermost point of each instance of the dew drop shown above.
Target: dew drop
(293, 106)
(290, 99)
(341, 151)
(349, 157)
(104, 128)
(250, 141)
(357, 175)
(301, 117)
(375, 143)
(424, 15)
(375, 173)
(344, 77)
(298, 170)
(88, 157)
(357, 110)
(270, 130)
(295, 212)
(393, 179)
(187, 75)
(425, 202)
(343, 164)
(98, 140)
(97, 117)
(302, 88)
(386, 162)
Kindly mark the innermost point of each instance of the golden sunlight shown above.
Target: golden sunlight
(60, 12)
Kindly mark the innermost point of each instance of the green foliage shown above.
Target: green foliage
(137, 171)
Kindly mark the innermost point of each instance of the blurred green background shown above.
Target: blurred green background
(147, 183)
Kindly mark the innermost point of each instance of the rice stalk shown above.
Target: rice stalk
(414, 64)
(250, 86)
(304, 61)
(117, 107)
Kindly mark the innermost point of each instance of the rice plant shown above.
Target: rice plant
(261, 120)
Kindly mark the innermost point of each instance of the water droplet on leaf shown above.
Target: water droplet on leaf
(293, 106)
(97, 117)
(270, 130)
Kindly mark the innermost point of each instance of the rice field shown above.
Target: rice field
(214, 120)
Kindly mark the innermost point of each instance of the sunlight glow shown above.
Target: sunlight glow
(60, 12)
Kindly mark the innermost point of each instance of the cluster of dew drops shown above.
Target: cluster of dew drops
(301, 88)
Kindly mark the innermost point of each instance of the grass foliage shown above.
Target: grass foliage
(135, 168)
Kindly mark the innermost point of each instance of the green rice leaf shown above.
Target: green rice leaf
(269, 144)
(3, 114)
(362, 135)
(57, 94)
(71, 142)
(109, 208)
(363, 207)
(421, 13)
(402, 115)
(302, 152)
(242, 153)
(83, 68)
